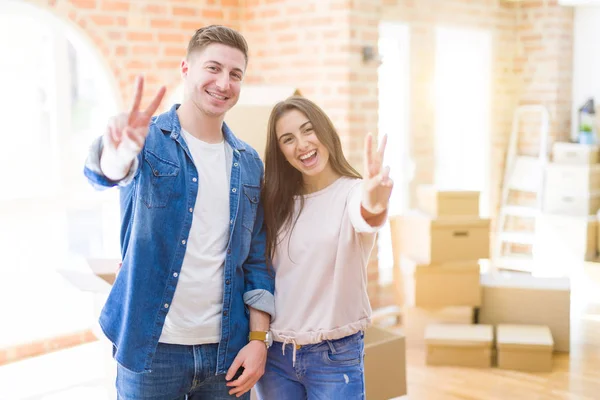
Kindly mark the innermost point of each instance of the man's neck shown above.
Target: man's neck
(200, 125)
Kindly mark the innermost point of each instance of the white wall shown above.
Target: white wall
(586, 60)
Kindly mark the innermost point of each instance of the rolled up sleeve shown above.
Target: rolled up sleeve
(93, 172)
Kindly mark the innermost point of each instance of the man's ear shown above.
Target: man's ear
(184, 67)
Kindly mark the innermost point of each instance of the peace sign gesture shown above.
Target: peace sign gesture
(126, 133)
(377, 184)
(129, 130)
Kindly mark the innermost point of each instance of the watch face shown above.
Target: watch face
(269, 339)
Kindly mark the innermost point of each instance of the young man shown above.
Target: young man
(189, 312)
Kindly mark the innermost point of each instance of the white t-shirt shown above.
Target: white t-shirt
(195, 313)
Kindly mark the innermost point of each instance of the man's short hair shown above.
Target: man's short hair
(217, 34)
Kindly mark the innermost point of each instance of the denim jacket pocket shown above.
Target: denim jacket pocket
(161, 175)
(250, 204)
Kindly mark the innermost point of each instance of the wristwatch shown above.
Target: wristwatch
(265, 337)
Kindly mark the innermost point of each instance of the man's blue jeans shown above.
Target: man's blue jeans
(330, 370)
(178, 373)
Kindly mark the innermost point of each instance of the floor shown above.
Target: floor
(80, 372)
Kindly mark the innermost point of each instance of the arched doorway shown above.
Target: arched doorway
(57, 94)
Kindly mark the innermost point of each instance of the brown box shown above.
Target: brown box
(460, 345)
(575, 153)
(571, 203)
(385, 364)
(518, 298)
(415, 320)
(439, 202)
(441, 285)
(430, 240)
(565, 178)
(564, 238)
(250, 117)
(524, 347)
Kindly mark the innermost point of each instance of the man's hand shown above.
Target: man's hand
(126, 133)
(252, 358)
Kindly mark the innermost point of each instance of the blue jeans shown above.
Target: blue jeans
(178, 373)
(329, 370)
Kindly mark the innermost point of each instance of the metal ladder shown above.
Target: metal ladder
(526, 174)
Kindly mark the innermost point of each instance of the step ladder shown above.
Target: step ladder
(526, 174)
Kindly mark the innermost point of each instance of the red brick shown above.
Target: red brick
(114, 6)
(140, 36)
(185, 11)
(212, 14)
(173, 38)
(174, 51)
(103, 20)
(162, 23)
(191, 26)
(84, 4)
(144, 50)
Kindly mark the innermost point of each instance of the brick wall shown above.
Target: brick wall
(544, 65)
(142, 37)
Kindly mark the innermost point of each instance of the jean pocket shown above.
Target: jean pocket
(249, 205)
(347, 354)
(161, 175)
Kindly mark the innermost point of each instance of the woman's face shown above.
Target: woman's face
(299, 143)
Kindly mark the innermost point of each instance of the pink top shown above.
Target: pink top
(321, 273)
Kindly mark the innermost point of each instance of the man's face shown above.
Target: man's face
(212, 78)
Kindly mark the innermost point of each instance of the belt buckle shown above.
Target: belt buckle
(298, 346)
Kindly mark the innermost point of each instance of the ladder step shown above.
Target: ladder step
(517, 237)
(520, 211)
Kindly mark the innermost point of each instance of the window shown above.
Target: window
(394, 73)
(462, 111)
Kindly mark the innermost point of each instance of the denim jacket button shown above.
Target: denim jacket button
(227, 282)
(234, 190)
(225, 313)
(228, 251)
(166, 305)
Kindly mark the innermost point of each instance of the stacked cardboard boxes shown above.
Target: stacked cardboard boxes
(517, 347)
(568, 228)
(436, 249)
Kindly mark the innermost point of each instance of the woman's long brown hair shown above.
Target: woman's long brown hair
(283, 181)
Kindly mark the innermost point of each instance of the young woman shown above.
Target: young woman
(321, 220)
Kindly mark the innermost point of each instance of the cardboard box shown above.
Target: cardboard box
(442, 203)
(568, 179)
(385, 364)
(519, 298)
(576, 204)
(460, 345)
(575, 153)
(564, 239)
(524, 347)
(415, 321)
(429, 240)
(250, 117)
(441, 285)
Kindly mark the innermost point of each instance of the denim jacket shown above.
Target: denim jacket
(156, 195)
